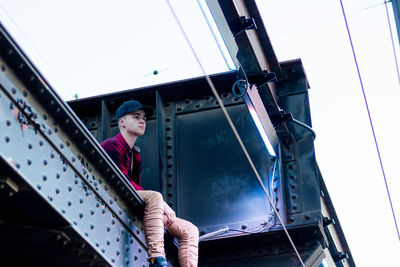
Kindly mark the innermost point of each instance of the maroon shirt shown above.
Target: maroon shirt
(120, 152)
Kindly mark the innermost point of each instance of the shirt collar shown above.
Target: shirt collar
(121, 139)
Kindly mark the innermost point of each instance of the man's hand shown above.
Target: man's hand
(169, 213)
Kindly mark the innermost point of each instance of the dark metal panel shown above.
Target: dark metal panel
(299, 165)
(266, 249)
(216, 184)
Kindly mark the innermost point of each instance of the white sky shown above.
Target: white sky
(93, 47)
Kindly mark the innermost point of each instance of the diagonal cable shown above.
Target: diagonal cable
(239, 139)
(370, 119)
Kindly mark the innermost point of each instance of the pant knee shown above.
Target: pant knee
(190, 232)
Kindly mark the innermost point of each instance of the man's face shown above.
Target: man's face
(134, 122)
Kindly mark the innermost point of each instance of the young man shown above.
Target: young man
(131, 116)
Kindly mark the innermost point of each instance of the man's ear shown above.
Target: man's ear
(121, 122)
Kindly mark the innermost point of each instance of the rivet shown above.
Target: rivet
(69, 203)
(57, 191)
(3, 68)
(13, 90)
(29, 162)
(8, 123)
(44, 162)
(7, 139)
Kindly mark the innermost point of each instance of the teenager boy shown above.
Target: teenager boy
(131, 116)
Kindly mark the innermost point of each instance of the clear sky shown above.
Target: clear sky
(94, 47)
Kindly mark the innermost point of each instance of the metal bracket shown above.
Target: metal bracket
(244, 25)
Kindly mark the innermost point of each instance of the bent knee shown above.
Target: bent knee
(190, 231)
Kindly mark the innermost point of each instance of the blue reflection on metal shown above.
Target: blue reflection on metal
(324, 263)
(217, 34)
(260, 127)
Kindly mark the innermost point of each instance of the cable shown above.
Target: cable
(213, 89)
(304, 126)
(391, 37)
(370, 119)
(323, 21)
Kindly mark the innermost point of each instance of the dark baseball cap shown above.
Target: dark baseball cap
(130, 106)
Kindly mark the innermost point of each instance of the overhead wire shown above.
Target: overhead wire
(369, 116)
(228, 118)
(333, 18)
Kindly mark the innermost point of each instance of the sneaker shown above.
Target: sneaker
(158, 262)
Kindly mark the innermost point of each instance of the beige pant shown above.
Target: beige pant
(154, 222)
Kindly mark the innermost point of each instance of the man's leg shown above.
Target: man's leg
(153, 223)
(188, 235)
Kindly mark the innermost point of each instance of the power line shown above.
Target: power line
(333, 18)
(391, 37)
(239, 139)
(369, 116)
